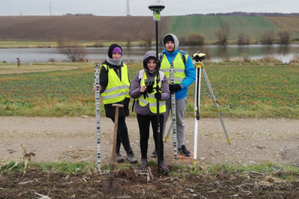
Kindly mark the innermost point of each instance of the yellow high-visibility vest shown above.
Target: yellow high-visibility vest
(179, 68)
(117, 90)
(151, 100)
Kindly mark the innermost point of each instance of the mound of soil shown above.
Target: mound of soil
(140, 184)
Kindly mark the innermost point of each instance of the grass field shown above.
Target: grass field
(257, 90)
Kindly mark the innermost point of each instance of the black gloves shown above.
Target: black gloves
(174, 88)
(158, 95)
(145, 95)
(149, 88)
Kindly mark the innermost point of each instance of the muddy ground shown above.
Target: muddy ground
(253, 141)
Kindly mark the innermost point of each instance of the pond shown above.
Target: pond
(217, 53)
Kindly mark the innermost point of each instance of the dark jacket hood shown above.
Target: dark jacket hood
(112, 46)
(148, 55)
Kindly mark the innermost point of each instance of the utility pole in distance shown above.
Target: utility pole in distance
(50, 9)
(128, 8)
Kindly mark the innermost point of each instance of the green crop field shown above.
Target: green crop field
(255, 90)
(254, 26)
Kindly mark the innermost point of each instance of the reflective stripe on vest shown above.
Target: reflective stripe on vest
(117, 90)
(179, 74)
(151, 100)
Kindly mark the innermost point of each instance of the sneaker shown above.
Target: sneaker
(154, 154)
(131, 158)
(118, 158)
(164, 167)
(143, 165)
(184, 151)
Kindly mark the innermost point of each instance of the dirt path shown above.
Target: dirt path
(74, 139)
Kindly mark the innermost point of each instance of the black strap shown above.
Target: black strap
(133, 105)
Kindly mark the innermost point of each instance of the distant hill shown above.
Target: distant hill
(255, 26)
(135, 28)
(53, 28)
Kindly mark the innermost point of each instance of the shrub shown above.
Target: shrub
(295, 58)
(129, 42)
(268, 37)
(284, 36)
(128, 38)
(72, 49)
(147, 37)
(243, 38)
(51, 60)
(196, 39)
(183, 41)
(223, 32)
(245, 57)
(98, 44)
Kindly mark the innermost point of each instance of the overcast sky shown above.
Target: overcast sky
(140, 7)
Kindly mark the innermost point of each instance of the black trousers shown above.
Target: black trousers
(122, 135)
(144, 123)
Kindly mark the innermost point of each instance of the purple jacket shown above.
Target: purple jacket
(135, 86)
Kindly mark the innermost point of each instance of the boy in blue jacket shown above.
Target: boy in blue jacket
(184, 77)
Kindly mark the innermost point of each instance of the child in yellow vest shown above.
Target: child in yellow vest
(114, 89)
(143, 89)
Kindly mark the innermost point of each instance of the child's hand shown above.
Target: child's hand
(142, 89)
(95, 87)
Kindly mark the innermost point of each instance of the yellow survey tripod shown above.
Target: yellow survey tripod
(199, 57)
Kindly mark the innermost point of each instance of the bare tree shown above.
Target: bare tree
(72, 49)
(268, 37)
(243, 38)
(147, 36)
(195, 38)
(129, 38)
(284, 36)
(223, 32)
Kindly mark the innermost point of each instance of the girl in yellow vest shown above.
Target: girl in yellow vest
(143, 89)
(114, 89)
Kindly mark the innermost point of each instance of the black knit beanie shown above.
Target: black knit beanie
(168, 38)
(110, 50)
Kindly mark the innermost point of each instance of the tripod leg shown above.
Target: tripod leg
(215, 103)
(196, 110)
(97, 102)
(168, 132)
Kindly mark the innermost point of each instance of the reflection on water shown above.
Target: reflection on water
(216, 53)
(222, 52)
